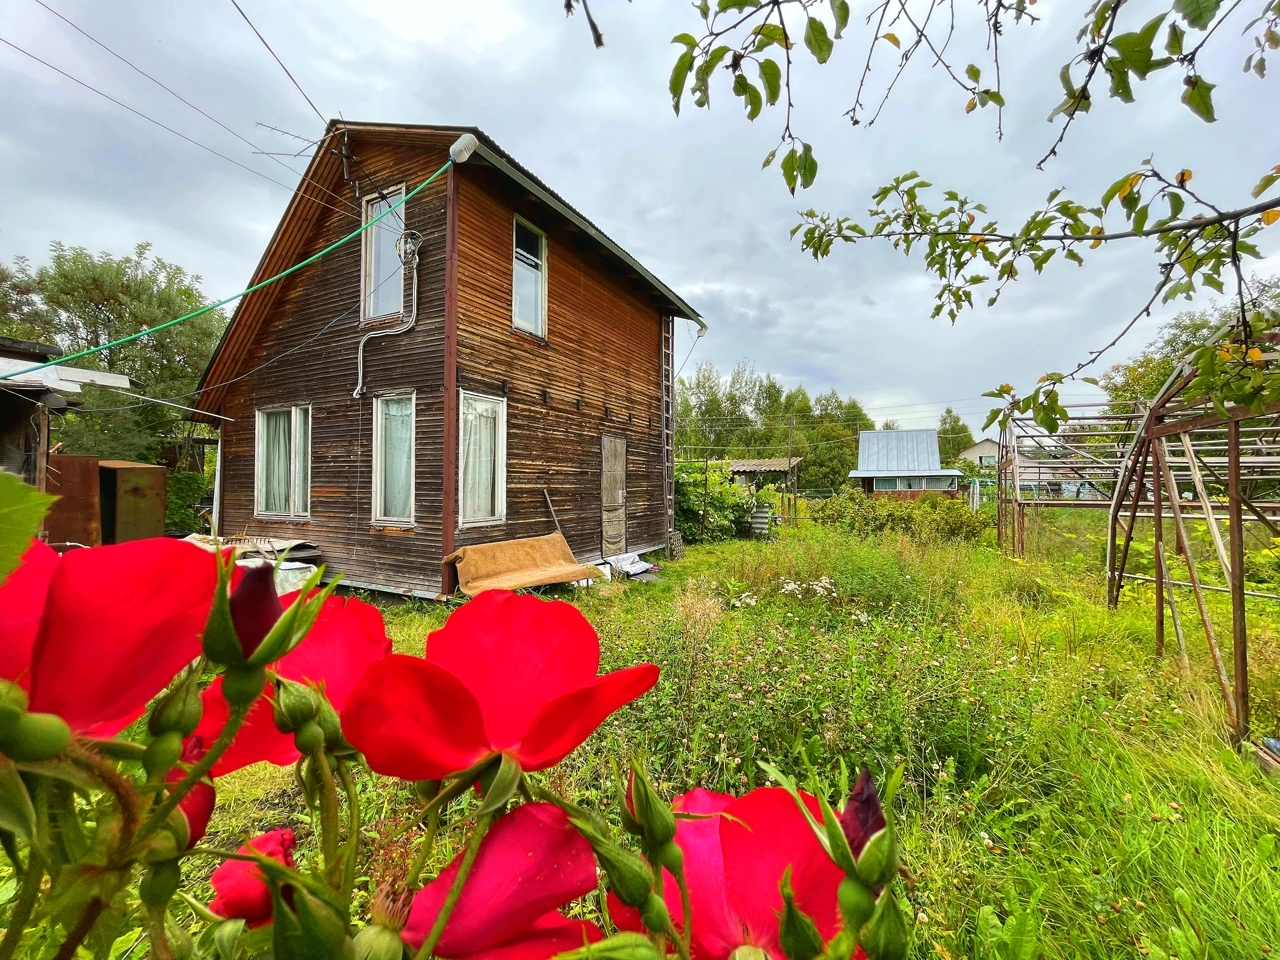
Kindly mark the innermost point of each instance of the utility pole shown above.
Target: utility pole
(791, 480)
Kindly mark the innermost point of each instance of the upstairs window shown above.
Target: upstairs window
(393, 429)
(529, 290)
(382, 279)
(482, 460)
(282, 468)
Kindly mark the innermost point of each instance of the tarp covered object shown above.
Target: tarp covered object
(512, 564)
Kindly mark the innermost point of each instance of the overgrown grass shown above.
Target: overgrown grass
(1052, 763)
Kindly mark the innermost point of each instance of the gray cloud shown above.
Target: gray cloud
(684, 194)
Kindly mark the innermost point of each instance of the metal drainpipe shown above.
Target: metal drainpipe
(407, 250)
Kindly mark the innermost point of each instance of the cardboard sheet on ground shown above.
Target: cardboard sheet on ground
(512, 564)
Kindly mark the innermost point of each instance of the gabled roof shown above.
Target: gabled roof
(899, 453)
(324, 173)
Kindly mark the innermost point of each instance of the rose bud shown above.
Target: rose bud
(797, 933)
(160, 883)
(255, 606)
(621, 946)
(305, 926)
(240, 890)
(197, 806)
(862, 815)
(380, 940)
(884, 936)
(33, 737)
(654, 816)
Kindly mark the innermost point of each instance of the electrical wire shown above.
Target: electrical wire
(221, 303)
(88, 36)
(279, 61)
(162, 126)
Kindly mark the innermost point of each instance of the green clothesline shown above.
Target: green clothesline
(222, 303)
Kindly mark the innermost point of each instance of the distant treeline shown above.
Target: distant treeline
(749, 414)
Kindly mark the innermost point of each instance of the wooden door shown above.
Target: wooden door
(613, 495)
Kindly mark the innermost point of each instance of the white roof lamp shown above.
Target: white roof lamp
(463, 148)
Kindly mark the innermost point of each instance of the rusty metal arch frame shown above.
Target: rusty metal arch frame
(1165, 462)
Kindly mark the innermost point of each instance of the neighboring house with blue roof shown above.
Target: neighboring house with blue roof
(902, 463)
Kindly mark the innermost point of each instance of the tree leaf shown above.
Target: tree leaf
(679, 75)
(1197, 13)
(817, 40)
(1198, 96)
(972, 72)
(22, 510)
(789, 169)
(1270, 216)
(685, 38)
(807, 167)
(768, 160)
(1173, 43)
(769, 33)
(771, 80)
(840, 13)
(744, 88)
(892, 38)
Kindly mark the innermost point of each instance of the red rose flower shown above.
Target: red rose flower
(241, 890)
(94, 634)
(347, 636)
(506, 673)
(529, 864)
(197, 805)
(733, 865)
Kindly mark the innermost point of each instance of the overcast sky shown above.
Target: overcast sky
(685, 195)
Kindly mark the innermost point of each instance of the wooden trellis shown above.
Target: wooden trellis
(1174, 459)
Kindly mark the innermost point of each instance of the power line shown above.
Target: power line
(279, 61)
(257, 286)
(88, 36)
(162, 126)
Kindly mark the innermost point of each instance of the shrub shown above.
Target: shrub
(184, 490)
(930, 518)
(708, 487)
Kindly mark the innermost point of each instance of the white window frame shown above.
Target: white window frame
(366, 251)
(542, 238)
(947, 483)
(875, 484)
(378, 518)
(499, 467)
(296, 459)
(905, 483)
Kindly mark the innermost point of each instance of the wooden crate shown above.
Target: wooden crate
(76, 516)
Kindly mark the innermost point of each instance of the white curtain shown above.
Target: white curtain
(479, 458)
(275, 460)
(302, 490)
(397, 457)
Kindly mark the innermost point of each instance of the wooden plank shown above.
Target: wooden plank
(1234, 415)
(76, 516)
(1239, 635)
(1184, 547)
(1157, 484)
(1206, 504)
(449, 469)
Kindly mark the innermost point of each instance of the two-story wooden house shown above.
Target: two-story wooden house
(478, 356)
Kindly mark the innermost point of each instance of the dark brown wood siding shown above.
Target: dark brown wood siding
(599, 372)
(317, 365)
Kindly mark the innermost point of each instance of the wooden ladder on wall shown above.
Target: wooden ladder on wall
(669, 425)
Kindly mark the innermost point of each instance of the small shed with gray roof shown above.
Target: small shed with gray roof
(902, 463)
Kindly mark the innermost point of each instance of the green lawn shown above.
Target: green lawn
(1057, 774)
